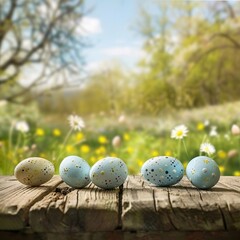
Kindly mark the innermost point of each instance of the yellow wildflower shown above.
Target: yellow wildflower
(40, 132)
(222, 154)
(154, 153)
(222, 169)
(100, 157)
(79, 136)
(56, 132)
(102, 139)
(42, 155)
(168, 153)
(129, 150)
(93, 159)
(69, 149)
(101, 150)
(200, 126)
(126, 137)
(236, 173)
(140, 162)
(185, 164)
(113, 154)
(85, 148)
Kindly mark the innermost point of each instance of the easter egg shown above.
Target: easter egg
(74, 171)
(162, 171)
(203, 172)
(109, 173)
(34, 171)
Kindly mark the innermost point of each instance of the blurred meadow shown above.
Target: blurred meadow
(56, 99)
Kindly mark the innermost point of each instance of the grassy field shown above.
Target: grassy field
(139, 137)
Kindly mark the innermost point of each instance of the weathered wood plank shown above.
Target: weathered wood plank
(228, 196)
(139, 207)
(139, 211)
(16, 200)
(181, 207)
(88, 209)
(192, 211)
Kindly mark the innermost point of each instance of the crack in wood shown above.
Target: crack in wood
(223, 218)
(172, 210)
(154, 201)
(120, 207)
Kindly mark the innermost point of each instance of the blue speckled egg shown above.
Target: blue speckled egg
(162, 171)
(203, 172)
(74, 171)
(109, 173)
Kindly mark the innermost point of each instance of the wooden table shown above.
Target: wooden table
(134, 211)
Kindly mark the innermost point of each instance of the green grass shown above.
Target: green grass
(142, 137)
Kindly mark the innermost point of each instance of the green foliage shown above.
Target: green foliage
(199, 68)
(141, 138)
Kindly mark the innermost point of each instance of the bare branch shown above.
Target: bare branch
(42, 32)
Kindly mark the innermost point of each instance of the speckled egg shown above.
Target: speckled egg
(74, 171)
(34, 171)
(162, 171)
(203, 172)
(109, 173)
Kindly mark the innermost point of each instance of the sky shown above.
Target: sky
(109, 28)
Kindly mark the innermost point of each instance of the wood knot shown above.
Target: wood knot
(64, 190)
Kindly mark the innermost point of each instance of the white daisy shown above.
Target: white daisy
(179, 132)
(76, 122)
(213, 132)
(207, 148)
(206, 123)
(22, 126)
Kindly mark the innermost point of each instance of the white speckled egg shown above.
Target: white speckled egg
(162, 171)
(74, 171)
(203, 172)
(34, 171)
(109, 173)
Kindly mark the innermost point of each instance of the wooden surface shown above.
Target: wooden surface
(137, 207)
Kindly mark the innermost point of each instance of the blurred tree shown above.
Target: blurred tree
(106, 90)
(154, 88)
(191, 55)
(211, 65)
(38, 38)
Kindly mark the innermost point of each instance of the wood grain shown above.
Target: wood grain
(181, 207)
(16, 200)
(88, 209)
(138, 207)
(139, 211)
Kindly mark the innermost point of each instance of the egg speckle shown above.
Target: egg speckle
(109, 173)
(162, 171)
(74, 171)
(203, 172)
(34, 171)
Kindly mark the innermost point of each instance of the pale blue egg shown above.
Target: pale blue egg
(74, 171)
(109, 173)
(162, 171)
(203, 172)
